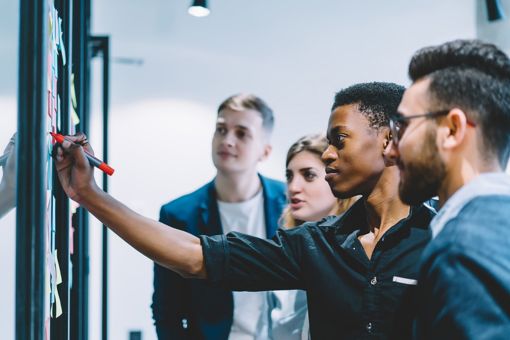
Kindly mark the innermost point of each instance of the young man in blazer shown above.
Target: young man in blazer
(237, 199)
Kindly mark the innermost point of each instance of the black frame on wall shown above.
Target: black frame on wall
(100, 46)
(60, 327)
(79, 311)
(31, 302)
(31, 195)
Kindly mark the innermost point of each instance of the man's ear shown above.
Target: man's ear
(386, 133)
(387, 145)
(266, 152)
(452, 129)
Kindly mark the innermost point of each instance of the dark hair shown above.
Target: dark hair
(243, 101)
(377, 101)
(473, 76)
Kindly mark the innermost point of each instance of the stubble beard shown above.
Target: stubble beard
(423, 176)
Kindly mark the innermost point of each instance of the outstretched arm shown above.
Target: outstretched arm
(171, 248)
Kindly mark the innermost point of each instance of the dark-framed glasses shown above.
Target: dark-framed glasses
(399, 123)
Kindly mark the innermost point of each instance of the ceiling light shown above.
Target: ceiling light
(199, 8)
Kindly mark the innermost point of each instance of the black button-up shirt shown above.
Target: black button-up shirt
(349, 295)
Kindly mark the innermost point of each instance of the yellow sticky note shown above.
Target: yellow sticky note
(56, 308)
(73, 93)
(75, 119)
(59, 275)
(59, 305)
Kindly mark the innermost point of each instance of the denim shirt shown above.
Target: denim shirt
(483, 185)
(464, 281)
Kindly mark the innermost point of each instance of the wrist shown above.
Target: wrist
(88, 194)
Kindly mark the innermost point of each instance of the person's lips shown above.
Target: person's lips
(330, 173)
(225, 154)
(296, 203)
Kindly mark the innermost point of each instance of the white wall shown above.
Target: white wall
(8, 121)
(9, 22)
(294, 54)
(497, 32)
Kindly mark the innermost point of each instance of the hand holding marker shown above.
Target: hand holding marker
(93, 160)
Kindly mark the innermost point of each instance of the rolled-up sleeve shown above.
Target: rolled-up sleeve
(246, 263)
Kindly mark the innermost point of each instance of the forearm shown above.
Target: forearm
(254, 264)
(172, 248)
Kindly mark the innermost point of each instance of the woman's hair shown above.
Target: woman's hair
(315, 144)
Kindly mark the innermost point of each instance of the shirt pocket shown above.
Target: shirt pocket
(405, 280)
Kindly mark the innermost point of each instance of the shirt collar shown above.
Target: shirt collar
(483, 185)
(354, 222)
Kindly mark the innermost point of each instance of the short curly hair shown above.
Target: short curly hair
(474, 76)
(377, 101)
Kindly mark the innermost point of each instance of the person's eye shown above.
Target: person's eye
(401, 126)
(221, 130)
(309, 175)
(288, 176)
(339, 140)
(401, 121)
(240, 134)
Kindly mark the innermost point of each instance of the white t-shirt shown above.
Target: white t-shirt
(248, 218)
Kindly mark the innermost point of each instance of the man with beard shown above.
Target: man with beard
(451, 138)
(359, 270)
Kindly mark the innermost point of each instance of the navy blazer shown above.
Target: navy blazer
(193, 309)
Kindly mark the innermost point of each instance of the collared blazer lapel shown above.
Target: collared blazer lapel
(209, 221)
(274, 202)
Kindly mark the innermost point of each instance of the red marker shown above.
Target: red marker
(94, 161)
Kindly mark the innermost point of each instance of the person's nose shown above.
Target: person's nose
(229, 139)
(294, 186)
(329, 155)
(391, 153)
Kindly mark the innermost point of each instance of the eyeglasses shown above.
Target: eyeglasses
(399, 123)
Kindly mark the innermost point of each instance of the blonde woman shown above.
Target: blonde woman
(310, 199)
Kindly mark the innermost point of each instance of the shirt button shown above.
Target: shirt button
(369, 327)
(373, 282)
(184, 323)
